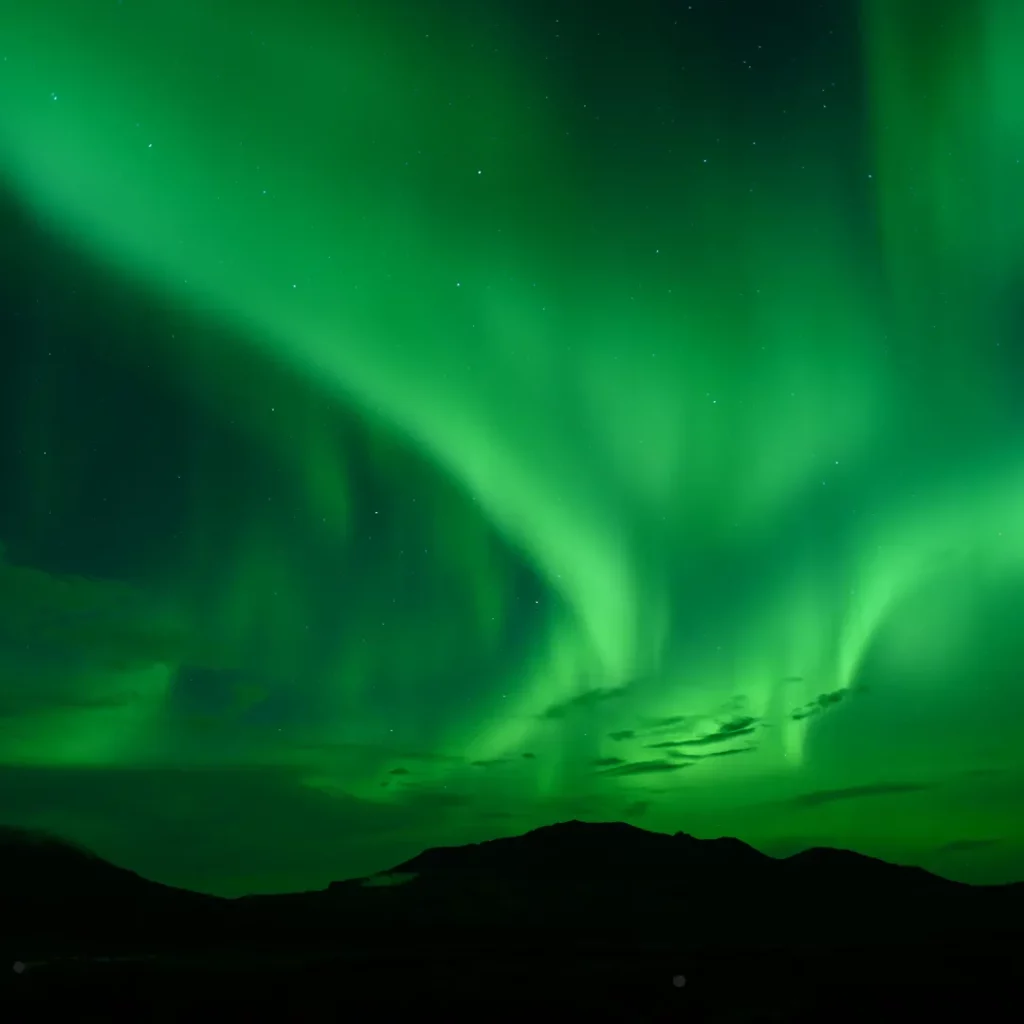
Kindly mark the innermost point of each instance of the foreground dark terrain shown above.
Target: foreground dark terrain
(602, 921)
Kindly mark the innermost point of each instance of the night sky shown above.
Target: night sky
(424, 420)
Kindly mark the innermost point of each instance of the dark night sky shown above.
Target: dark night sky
(422, 421)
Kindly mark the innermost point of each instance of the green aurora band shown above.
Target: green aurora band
(554, 410)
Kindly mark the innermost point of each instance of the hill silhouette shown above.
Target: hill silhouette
(37, 866)
(582, 849)
(606, 918)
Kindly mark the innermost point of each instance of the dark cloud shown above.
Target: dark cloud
(793, 679)
(643, 768)
(491, 763)
(823, 701)
(399, 771)
(607, 762)
(622, 734)
(738, 725)
(637, 809)
(679, 755)
(965, 845)
(529, 756)
(721, 736)
(827, 796)
(672, 720)
(743, 726)
(589, 699)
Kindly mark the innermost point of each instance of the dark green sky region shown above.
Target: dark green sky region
(423, 421)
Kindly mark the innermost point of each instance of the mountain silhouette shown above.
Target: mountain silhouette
(581, 849)
(37, 866)
(624, 923)
(58, 897)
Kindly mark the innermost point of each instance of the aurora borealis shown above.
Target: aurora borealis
(424, 421)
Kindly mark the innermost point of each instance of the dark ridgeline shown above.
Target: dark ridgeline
(608, 920)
